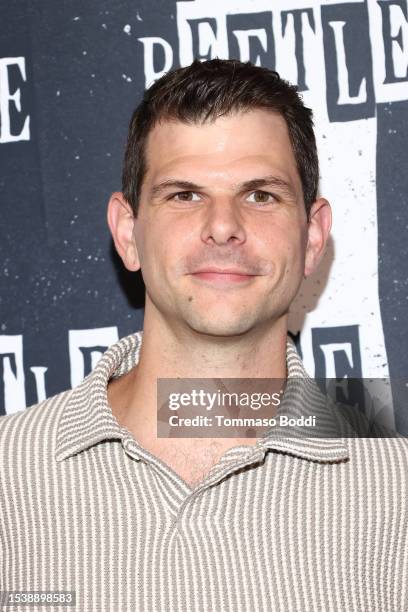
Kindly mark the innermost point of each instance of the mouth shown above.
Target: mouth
(225, 277)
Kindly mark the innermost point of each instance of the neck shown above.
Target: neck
(169, 351)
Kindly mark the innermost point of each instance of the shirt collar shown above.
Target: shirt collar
(87, 418)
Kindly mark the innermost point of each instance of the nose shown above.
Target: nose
(223, 222)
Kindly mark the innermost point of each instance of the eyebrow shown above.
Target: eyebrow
(252, 184)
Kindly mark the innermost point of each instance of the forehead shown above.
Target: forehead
(227, 148)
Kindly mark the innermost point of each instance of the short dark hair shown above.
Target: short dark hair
(207, 90)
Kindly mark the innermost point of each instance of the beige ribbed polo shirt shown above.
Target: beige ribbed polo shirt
(290, 524)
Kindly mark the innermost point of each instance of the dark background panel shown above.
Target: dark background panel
(392, 206)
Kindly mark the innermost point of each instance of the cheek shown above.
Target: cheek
(296, 240)
(162, 258)
(288, 256)
(286, 245)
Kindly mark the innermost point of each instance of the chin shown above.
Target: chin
(221, 328)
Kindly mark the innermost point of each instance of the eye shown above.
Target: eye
(185, 196)
(261, 197)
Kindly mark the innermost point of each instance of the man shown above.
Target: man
(220, 211)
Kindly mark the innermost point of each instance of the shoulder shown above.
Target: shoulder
(381, 448)
(34, 414)
(31, 431)
(377, 474)
(378, 455)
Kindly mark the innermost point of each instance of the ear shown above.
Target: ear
(121, 222)
(319, 225)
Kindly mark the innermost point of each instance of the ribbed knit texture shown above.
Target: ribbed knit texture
(290, 524)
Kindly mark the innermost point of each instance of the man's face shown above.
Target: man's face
(221, 232)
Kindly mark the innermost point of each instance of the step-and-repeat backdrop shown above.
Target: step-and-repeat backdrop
(71, 74)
